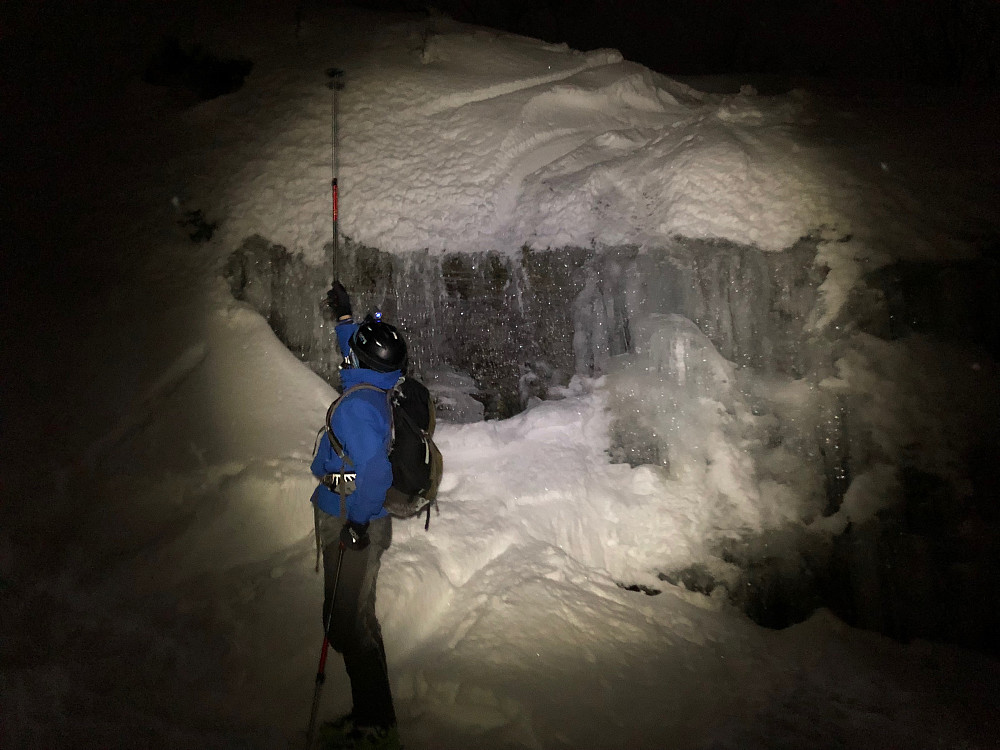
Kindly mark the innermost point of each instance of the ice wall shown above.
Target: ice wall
(519, 324)
(289, 293)
(673, 328)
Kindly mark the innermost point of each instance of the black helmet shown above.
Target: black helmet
(379, 346)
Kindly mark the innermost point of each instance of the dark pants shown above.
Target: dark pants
(354, 630)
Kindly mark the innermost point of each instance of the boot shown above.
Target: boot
(346, 734)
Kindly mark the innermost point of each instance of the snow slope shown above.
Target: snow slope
(157, 576)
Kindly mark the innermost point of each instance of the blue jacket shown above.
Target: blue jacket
(362, 424)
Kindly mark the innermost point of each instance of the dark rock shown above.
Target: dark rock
(192, 68)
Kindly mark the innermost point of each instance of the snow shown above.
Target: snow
(157, 575)
(466, 139)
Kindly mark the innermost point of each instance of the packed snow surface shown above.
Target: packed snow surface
(462, 139)
(157, 569)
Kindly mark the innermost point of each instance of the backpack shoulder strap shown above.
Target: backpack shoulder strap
(432, 417)
(338, 448)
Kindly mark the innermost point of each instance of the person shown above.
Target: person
(353, 527)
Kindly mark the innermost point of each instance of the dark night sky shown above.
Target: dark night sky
(917, 41)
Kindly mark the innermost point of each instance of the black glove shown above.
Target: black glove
(354, 535)
(338, 300)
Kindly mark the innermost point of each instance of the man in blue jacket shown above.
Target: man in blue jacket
(351, 520)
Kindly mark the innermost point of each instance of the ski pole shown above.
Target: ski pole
(321, 670)
(335, 84)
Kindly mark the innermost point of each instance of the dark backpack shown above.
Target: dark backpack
(417, 463)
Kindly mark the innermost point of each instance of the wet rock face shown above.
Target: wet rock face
(288, 293)
(518, 325)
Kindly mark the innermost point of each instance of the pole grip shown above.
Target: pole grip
(335, 200)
